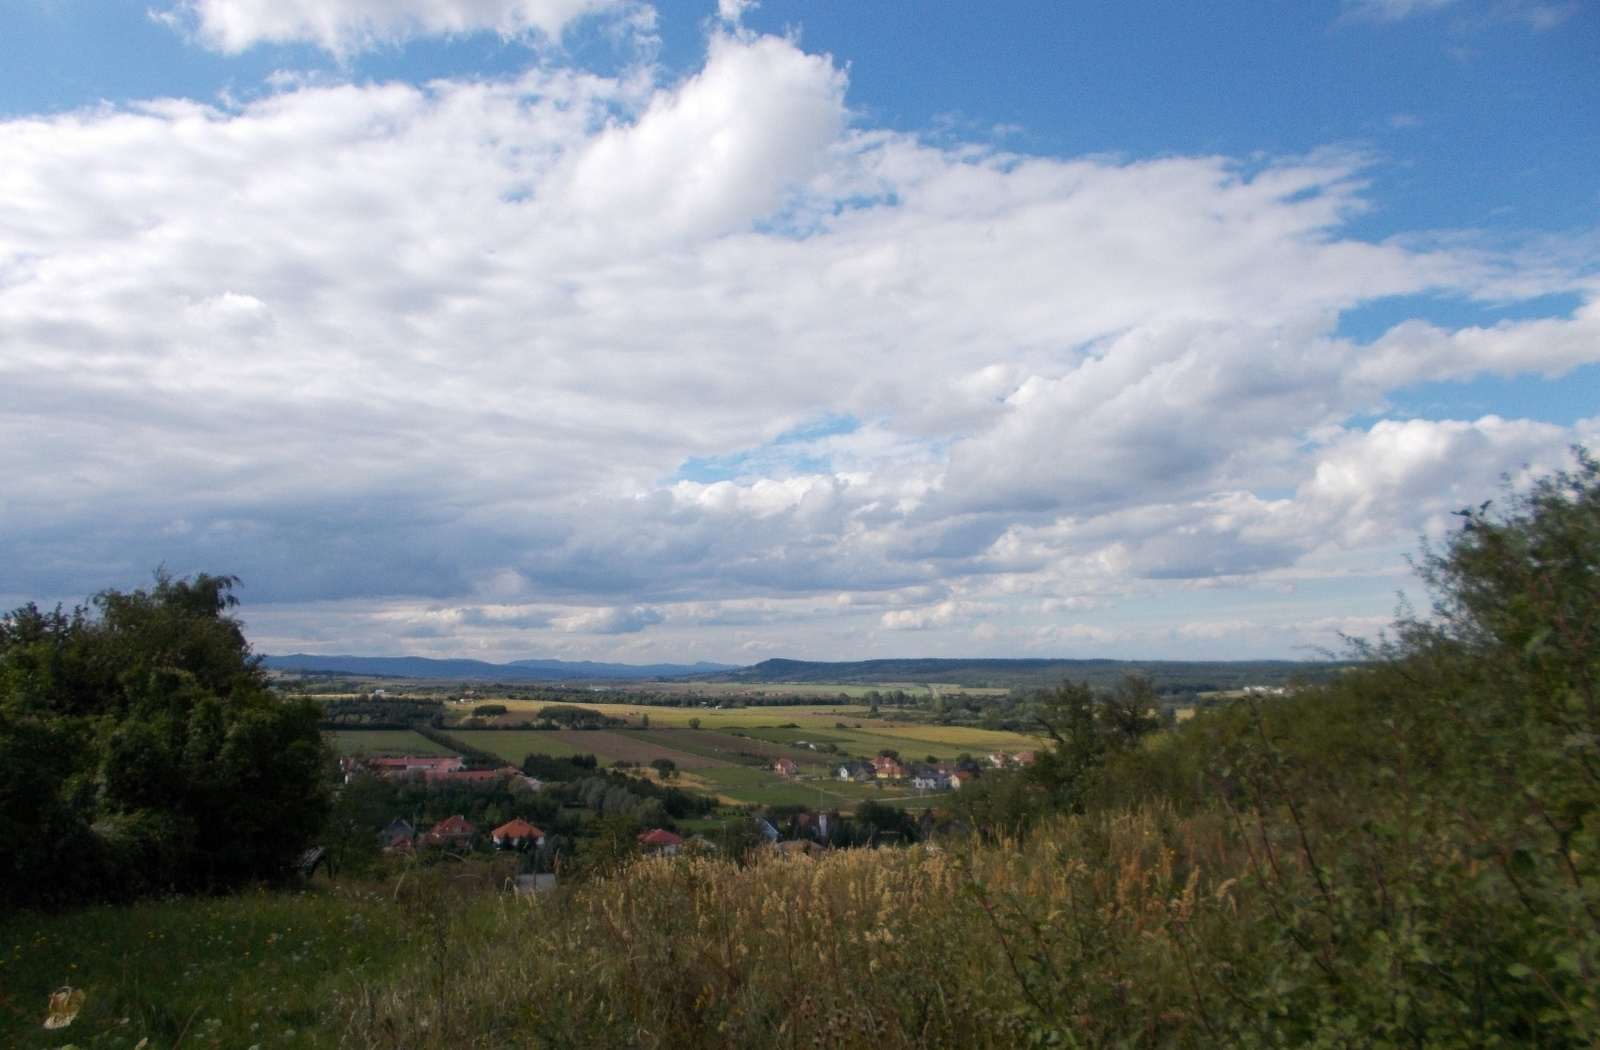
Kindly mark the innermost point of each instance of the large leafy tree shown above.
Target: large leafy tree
(141, 749)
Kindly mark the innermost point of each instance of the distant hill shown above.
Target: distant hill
(1168, 675)
(479, 670)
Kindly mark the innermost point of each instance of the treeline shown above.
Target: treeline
(382, 712)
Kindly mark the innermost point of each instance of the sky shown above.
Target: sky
(601, 329)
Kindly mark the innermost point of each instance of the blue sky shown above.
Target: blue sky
(602, 329)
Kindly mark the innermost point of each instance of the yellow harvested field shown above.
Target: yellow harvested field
(865, 733)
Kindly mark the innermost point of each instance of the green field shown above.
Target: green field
(378, 743)
(744, 784)
(712, 744)
(513, 745)
(742, 778)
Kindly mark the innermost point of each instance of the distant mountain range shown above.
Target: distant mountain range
(1168, 675)
(479, 670)
(1200, 675)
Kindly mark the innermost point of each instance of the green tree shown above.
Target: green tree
(145, 751)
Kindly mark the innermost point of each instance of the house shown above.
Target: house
(786, 767)
(516, 834)
(998, 759)
(930, 780)
(1023, 758)
(456, 832)
(886, 767)
(860, 772)
(399, 836)
(663, 842)
(961, 778)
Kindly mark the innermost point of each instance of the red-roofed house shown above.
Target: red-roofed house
(516, 834)
(1023, 758)
(786, 767)
(888, 768)
(663, 842)
(454, 831)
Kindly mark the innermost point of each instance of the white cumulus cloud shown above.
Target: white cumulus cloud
(598, 366)
(344, 26)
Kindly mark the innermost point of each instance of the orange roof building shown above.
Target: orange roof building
(453, 831)
(516, 834)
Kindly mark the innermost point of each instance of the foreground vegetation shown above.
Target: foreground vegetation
(1406, 856)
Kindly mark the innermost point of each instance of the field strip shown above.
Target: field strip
(959, 736)
(515, 744)
(384, 743)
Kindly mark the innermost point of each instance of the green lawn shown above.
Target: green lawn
(384, 742)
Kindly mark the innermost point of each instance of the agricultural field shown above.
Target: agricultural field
(729, 755)
(712, 744)
(860, 734)
(803, 689)
(811, 722)
(514, 745)
(747, 784)
(382, 743)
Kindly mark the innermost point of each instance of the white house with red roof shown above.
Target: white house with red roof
(517, 834)
(663, 842)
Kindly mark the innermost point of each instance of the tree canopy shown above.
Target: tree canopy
(142, 750)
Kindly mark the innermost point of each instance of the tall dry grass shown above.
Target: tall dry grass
(1087, 932)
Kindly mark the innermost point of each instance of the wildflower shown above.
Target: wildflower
(65, 1003)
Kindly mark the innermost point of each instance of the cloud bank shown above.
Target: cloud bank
(346, 26)
(581, 366)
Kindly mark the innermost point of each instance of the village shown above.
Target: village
(542, 854)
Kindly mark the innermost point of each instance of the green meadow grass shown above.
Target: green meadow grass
(513, 745)
(384, 742)
(256, 969)
(704, 744)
